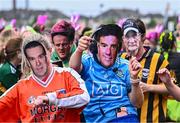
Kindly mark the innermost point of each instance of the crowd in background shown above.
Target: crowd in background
(73, 47)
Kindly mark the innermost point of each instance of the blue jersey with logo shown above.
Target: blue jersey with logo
(108, 89)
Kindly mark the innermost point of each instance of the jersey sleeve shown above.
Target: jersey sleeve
(9, 105)
(128, 85)
(86, 64)
(76, 97)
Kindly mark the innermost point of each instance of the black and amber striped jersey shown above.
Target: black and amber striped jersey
(154, 105)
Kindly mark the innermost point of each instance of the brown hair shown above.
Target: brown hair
(9, 52)
(6, 35)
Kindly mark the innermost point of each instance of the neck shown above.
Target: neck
(14, 62)
(44, 78)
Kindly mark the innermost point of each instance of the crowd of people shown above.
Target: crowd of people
(111, 74)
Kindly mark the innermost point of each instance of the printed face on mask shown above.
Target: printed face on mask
(107, 50)
(38, 61)
(132, 41)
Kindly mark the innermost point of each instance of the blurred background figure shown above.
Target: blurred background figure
(10, 64)
(2, 24)
(5, 35)
(167, 42)
(177, 34)
(152, 37)
(62, 35)
(151, 40)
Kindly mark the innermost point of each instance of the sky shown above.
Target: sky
(95, 7)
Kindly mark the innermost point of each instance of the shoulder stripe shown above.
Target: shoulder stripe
(79, 98)
(123, 55)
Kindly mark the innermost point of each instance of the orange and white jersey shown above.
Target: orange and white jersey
(65, 89)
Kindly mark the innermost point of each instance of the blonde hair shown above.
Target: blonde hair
(25, 67)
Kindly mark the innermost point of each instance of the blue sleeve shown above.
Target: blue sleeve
(128, 80)
(86, 64)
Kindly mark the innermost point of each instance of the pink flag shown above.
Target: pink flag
(2, 23)
(13, 23)
(41, 19)
(159, 29)
(74, 21)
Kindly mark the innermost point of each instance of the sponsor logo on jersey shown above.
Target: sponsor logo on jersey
(120, 73)
(31, 100)
(145, 73)
(107, 89)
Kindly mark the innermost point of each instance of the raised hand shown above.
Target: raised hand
(41, 100)
(84, 43)
(134, 67)
(164, 75)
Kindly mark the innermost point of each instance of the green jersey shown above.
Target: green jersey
(55, 57)
(9, 75)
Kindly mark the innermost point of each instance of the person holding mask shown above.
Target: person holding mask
(112, 82)
(155, 93)
(54, 82)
